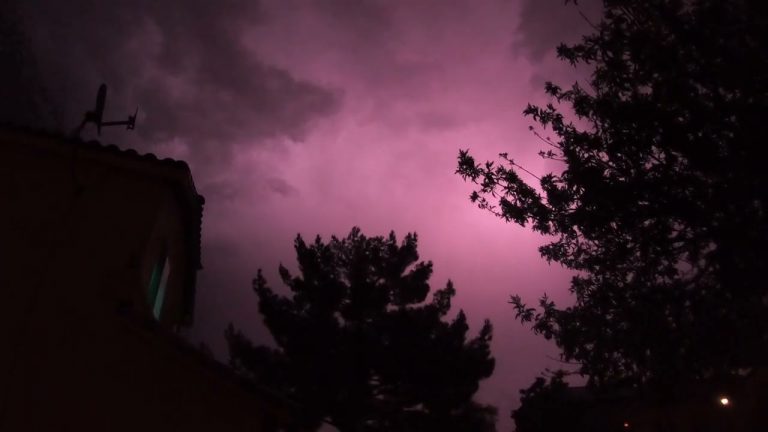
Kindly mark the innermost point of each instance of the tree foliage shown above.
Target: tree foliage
(359, 344)
(660, 207)
(552, 405)
(549, 406)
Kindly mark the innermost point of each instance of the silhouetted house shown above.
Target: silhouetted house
(99, 249)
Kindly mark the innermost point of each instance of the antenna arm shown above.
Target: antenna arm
(116, 123)
(86, 119)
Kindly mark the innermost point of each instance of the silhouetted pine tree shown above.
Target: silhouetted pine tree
(359, 345)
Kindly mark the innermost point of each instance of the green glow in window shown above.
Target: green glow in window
(157, 285)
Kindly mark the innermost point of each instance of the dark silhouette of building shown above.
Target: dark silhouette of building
(99, 249)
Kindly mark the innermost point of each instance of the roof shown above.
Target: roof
(179, 175)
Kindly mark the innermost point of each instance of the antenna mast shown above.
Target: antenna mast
(96, 116)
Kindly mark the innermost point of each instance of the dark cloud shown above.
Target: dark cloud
(21, 93)
(437, 120)
(544, 24)
(358, 20)
(239, 188)
(184, 63)
(281, 187)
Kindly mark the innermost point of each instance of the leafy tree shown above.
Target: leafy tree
(358, 344)
(660, 207)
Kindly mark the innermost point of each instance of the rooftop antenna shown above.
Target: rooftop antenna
(97, 115)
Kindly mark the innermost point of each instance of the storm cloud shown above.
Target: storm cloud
(184, 63)
(313, 116)
(545, 24)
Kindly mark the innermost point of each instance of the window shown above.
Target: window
(157, 285)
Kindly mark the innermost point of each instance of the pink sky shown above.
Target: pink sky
(432, 81)
(311, 117)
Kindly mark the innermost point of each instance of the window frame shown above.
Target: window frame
(158, 285)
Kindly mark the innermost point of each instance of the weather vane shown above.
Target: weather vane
(96, 116)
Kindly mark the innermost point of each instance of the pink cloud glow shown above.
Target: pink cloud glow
(311, 117)
(424, 83)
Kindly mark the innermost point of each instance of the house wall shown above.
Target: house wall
(80, 232)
